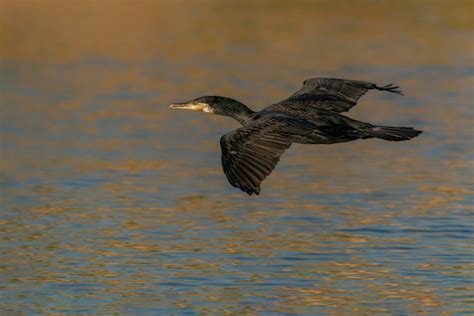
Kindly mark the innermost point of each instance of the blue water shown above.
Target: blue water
(113, 204)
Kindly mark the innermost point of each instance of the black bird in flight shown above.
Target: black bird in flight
(309, 116)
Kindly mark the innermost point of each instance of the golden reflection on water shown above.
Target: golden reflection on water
(113, 204)
(55, 31)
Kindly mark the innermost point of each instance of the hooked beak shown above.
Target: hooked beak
(203, 107)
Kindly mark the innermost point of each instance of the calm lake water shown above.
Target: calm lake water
(113, 204)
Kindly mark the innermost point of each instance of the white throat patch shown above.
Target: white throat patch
(206, 108)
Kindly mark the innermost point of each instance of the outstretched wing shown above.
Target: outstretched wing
(250, 153)
(337, 95)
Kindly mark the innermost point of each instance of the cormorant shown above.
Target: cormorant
(309, 116)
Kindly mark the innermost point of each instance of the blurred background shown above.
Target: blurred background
(112, 204)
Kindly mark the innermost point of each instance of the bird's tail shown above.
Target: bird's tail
(394, 134)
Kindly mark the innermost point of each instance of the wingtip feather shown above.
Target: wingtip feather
(390, 88)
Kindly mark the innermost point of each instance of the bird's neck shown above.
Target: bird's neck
(239, 112)
(244, 117)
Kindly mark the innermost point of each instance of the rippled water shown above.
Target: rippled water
(112, 204)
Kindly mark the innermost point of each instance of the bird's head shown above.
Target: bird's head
(202, 104)
(217, 105)
(210, 104)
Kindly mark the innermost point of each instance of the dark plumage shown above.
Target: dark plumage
(309, 116)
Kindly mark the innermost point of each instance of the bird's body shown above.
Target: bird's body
(310, 116)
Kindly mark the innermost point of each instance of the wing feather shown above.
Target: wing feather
(338, 95)
(250, 153)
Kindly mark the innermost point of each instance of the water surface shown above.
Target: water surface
(112, 204)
